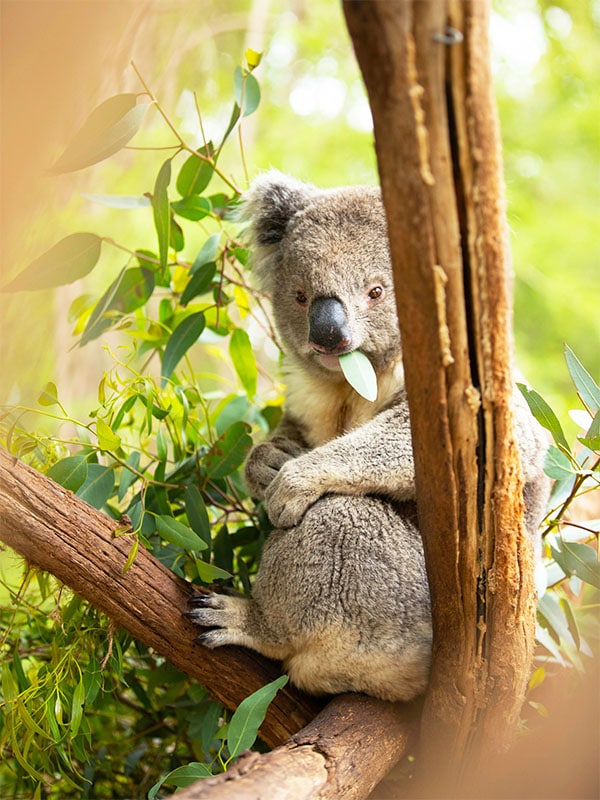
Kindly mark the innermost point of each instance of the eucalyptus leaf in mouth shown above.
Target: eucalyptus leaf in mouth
(360, 374)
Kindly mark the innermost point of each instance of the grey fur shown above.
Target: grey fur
(341, 595)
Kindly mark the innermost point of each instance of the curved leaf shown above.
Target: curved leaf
(207, 253)
(197, 514)
(586, 386)
(109, 128)
(199, 282)
(65, 262)
(130, 290)
(162, 212)
(360, 374)
(193, 207)
(246, 91)
(178, 534)
(249, 715)
(98, 486)
(229, 451)
(196, 172)
(49, 395)
(182, 776)
(107, 439)
(544, 415)
(243, 360)
(70, 472)
(182, 338)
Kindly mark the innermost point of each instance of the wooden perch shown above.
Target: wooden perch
(57, 532)
(342, 753)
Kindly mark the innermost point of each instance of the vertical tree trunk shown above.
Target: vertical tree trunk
(425, 65)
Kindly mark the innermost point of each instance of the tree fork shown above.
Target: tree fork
(426, 68)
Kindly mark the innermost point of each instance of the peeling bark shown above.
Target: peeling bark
(426, 67)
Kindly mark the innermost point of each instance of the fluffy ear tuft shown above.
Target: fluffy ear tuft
(271, 202)
(269, 205)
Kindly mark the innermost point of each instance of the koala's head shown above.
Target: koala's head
(323, 256)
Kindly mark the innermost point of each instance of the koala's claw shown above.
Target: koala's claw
(205, 599)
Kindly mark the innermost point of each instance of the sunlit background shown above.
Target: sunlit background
(60, 59)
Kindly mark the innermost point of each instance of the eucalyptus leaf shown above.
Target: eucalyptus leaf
(544, 415)
(108, 129)
(249, 715)
(98, 486)
(207, 252)
(175, 532)
(229, 451)
(162, 212)
(360, 374)
(49, 395)
(65, 262)
(193, 208)
(246, 91)
(209, 572)
(576, 558)
(586, 387)
(199, 283)
(182, 776)
(107, 439)
(183, 337)
(71, 472)
(197, 514)
(196, 172)
(242, 356)
(557, 465)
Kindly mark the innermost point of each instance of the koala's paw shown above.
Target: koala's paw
(226, 615)
(290, 494)
(265, 461)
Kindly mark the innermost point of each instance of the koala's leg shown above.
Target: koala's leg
(234, 619)
(347, 590)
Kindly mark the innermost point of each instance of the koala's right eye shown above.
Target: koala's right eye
(301, 298)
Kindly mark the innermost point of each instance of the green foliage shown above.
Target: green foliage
(568, 631)
(87, 712)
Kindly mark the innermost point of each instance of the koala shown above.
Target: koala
(341, 595)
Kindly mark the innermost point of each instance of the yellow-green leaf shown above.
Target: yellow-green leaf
(107, 439)
(49, 395)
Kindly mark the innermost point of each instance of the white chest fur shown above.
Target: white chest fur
(326, 409)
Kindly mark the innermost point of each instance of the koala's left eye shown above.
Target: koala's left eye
(376, 293)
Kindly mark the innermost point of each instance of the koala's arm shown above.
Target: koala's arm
(266, 459)
(375, 458)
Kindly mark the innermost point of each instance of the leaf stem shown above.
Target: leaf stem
(179, 137)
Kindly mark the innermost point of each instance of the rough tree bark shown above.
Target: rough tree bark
(342, 750)
(426, 67)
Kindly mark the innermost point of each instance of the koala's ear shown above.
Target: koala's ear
(271, 202)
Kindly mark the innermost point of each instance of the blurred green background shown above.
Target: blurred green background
(60, 59)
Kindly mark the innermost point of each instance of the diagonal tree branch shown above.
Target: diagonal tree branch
(347, 747)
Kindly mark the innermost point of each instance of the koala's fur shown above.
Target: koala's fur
(341, 595)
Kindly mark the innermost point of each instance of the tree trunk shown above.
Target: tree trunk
(426, 67)
(342, 752)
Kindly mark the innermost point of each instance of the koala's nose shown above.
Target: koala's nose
(328, 326)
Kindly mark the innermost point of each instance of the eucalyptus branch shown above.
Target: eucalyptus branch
(179, 137)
